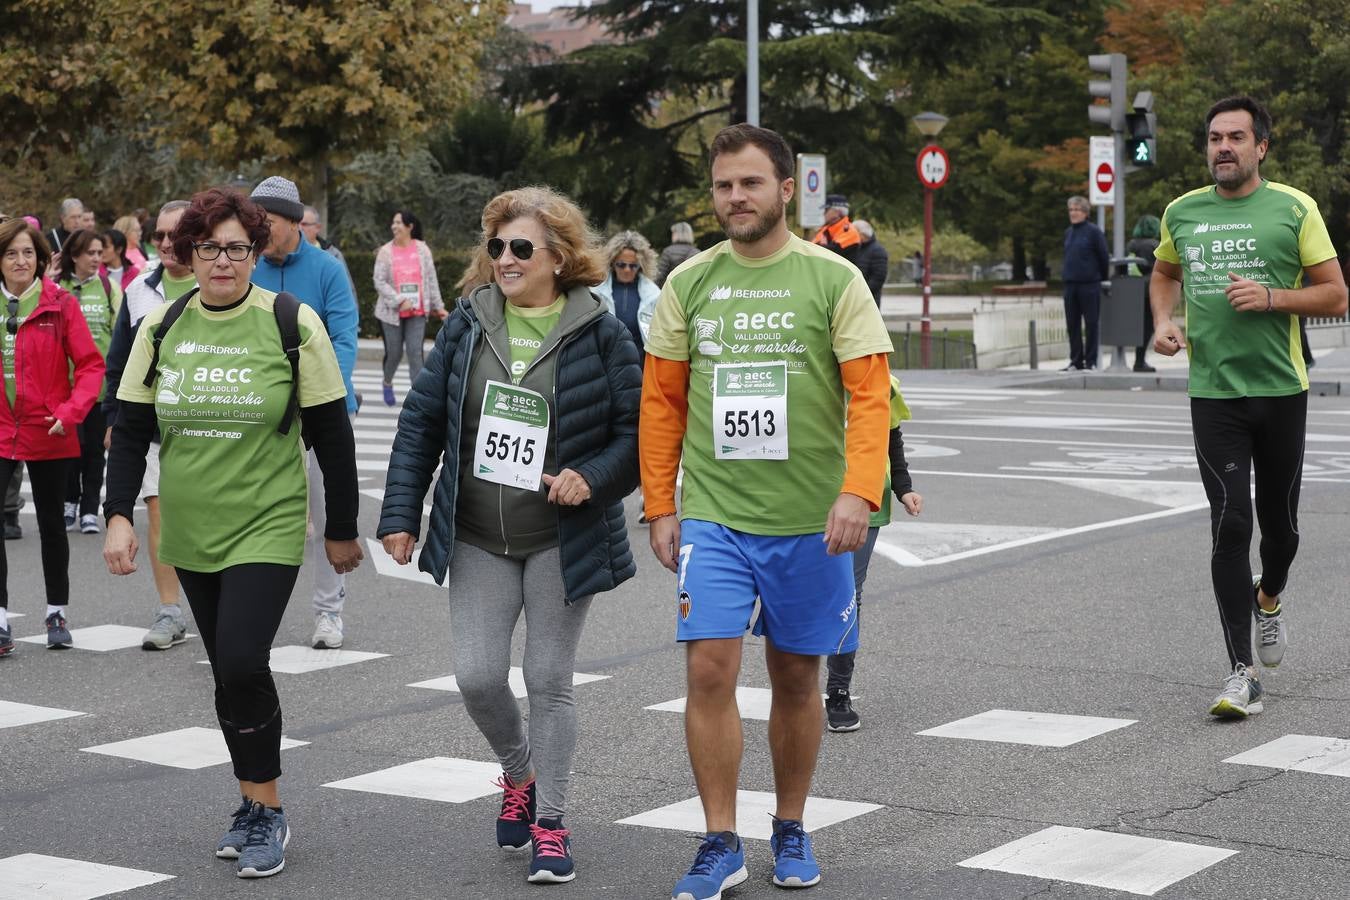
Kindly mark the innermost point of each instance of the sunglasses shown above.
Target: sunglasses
(12, 323)
(520, 248)
(160, 235)
(624, 265)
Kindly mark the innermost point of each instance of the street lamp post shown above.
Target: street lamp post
(930, 124)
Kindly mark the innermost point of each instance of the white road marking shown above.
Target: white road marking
(1035, 728)
(753, 811)
(439, 778)
(186, 748)
(35, 876)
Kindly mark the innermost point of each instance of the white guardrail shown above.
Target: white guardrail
(1003, 336)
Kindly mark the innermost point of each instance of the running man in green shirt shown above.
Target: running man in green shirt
(1251, 256)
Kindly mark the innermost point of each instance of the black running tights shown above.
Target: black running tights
(47, 478)
(1233, 438)
(238, 611)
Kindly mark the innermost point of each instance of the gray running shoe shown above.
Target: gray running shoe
(58, 635)
(233, 841)
(264, 850)
(72, 515)
(166, 631)
(327, 632)
(1240, 697)
(89, 524)
(1272, 636)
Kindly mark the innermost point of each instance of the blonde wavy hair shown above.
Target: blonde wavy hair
(631, 240)
(568, 233)
(478, 272)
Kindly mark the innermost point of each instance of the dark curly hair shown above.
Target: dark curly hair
(207, 210)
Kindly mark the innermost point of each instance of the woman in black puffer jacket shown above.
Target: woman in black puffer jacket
(530, 398)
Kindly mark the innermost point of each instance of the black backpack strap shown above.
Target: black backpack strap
(162, 329)
(286, 307)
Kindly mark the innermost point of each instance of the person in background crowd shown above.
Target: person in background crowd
(50, 364)
(116, 264)
(162, 284)
(540, 534)
(88, 221)
(311, 226)
(235, 508)
(681, 248)
(72, 215)
(405, 280)
(99, 298)
(838, 233)
(873, 260)
(289, 262)
(142, 215)
(130, 226)
(1086, 266)
(1143, 241)
(628, 291)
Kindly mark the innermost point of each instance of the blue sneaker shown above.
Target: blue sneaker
(794, 865)
(6, 642)
(517, 816)
(233, 841)
(716, 867)
(389, 399)
(58, 635)
(552, 863)
(265, 843)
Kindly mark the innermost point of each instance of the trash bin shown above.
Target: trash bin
(1123, 311)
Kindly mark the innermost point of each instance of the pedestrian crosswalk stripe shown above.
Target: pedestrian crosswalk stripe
(515, 679)
(1035, 728)
(297, 660)
(385, 565)
(1121, 862)
(753, 812)
(439, 778)
(35, 875)
(100, 638)
(186, 748)
(14, 714)
(1300, 753)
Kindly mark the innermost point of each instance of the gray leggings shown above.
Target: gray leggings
(405, 337)
(487, 594)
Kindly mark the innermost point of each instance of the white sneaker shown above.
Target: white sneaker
(89, 524)
(327, 632)
(72, 515)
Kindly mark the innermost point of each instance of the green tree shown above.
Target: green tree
(299, 85)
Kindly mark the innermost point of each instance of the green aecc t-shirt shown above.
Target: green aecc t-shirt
(232, 489)
(1269, 236)
(526, 329)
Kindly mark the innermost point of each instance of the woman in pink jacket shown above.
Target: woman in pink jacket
(43, 337)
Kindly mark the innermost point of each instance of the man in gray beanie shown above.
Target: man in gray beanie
(290, 263)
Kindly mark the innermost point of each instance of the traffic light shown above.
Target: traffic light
(1141, 131)
(1112, 89)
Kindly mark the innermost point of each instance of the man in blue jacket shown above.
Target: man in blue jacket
(290, 263)
(1086, 265)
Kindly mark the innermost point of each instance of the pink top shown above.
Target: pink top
(136, 257)
(407, 270)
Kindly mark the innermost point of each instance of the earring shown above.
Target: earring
(557, 271)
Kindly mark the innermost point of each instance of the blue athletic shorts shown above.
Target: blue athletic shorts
(806, 596)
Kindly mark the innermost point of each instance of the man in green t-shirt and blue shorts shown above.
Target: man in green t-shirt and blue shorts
(760, 349)
(1251, 257)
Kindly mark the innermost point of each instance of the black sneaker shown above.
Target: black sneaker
(6, 642)
(839, 712)
(13, 530)
(58, 635)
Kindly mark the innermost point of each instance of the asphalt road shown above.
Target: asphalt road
(1060, 568)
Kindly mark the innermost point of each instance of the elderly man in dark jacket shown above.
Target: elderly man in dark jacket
(873, 260)
(1086, 265)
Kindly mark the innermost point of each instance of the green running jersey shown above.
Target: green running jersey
(1270, 236)
(232, 489)
(763, 447)
(526, 328)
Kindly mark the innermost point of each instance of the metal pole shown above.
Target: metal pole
(752, 61)
(1118, 203)
(1031, 345)
(926, 322)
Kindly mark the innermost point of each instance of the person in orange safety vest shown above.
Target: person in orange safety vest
(838, 232)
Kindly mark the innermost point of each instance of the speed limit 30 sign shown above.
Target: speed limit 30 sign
(933, 166)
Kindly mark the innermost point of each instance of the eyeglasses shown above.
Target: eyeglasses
(520, 248)
(235, 252)
(12, 323)
(624, 265)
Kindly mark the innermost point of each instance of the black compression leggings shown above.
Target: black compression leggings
(47, 478)
(238, 611)
(1233, 438)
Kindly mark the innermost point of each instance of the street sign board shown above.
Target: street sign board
(933, 166)
(810, 190)
(1102, 171)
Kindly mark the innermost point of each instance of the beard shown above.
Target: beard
(1236, 177)
(756, 230)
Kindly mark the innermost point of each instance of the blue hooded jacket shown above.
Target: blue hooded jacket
(320, 281)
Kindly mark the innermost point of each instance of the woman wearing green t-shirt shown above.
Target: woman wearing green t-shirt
(531, 398)
(232, 483)
(99, 300)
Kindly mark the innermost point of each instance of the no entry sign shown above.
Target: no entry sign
(1102, 171)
